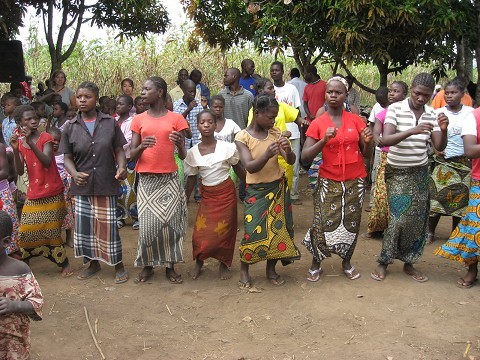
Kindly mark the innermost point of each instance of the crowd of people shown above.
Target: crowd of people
(89, 165)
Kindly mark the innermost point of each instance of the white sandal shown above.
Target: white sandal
(314, 275)
(349, 273)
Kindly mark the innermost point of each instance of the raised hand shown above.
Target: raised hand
(442, 120)
(330, 134)
(367, 135)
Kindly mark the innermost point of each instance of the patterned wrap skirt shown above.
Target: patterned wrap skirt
(449, 186)
(336, 219)
(378, 216)
(215, 229)
(127, 198)
(7, 204)
(96, 235)
(408, 199)
(268, 224)
(68, 220)
(162, 214)
(464, 242)
(41, 229)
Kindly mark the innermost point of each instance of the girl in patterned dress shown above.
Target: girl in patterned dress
(44, 209)
(20, 299)
(268, 220)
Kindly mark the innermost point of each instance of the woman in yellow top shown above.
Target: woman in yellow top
(286, 114)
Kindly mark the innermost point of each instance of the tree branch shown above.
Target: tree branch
(359, 84)
(70, 49)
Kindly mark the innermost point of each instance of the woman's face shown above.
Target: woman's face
(420, 95)
(395, 93)
(268, 89)
(335, 94)
(453, 95)
(150, 93)
(127, 88)
(86, 100)
(59, 79)
(29, 120)
(217, 107)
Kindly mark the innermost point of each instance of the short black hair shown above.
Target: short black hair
(18, 113)
(207, 111)
(6, 225)
(217, 97)
(294, 72)
(278, 63)
(89, 86)
(128, 99)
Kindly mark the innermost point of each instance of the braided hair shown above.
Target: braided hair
(262, 103)
(424, 79)
(160, 84)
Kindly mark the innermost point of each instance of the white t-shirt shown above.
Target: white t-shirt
(300, 86)
(373, 114)
(213, 168)
(455, 124)
(288, 94)
(411, 151)
(228, 132)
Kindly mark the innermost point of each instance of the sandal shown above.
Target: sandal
(245, 285)
(87, 273)
(174, 278)
(136, 225)
(417, 276)
(314, 275)
(121, 278)
(277, 281)
(376, 276)
(349, 273)
(462, 284)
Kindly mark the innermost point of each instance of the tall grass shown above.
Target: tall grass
(107, 61)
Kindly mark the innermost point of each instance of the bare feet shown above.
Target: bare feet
(224, 272)
(470, 277)
(197, 269)
(173, 277)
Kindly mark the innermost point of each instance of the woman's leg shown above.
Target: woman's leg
(172, 276)
(470, 277)
(272, 275)
(245, 280)
(197, 269)
(315, 271)
(432, 225)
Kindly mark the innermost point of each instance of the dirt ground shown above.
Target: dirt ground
(208, 318)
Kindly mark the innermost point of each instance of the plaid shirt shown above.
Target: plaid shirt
(179, 107)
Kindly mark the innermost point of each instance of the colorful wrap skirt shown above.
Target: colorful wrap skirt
(336, 219)
(464, 242)
(378, 216)
(215, 230)
(41, 229)
(449, 185)
(7, 204)
(268, 224)
(408, 199)
(127, 198)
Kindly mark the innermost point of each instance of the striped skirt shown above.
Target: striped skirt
(162, 214)
(41, 227)
(96, 234)
(464, 242)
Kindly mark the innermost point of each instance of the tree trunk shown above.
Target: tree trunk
(468, 61)
(459, 65)
(382, 67)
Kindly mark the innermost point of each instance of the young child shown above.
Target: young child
(44, 208)
(67, 181)
(9, 125)
(139, 105)
(127, 201)
(59, 115)
(226, 128)
(6, 198)
(268, 209)
(20, 300)
(71, 114)
(41, 113)
(215, 229)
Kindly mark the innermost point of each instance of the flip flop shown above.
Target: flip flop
(87, 274)
(314, 275)
(417, 276)
(277, 281)
(68, 274)
(349, 273)
(174, 279)
(245, 285)
(376, 276)
(143, 279)
(121, 278)
(462, 284)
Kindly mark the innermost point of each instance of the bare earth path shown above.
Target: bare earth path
(208, 318)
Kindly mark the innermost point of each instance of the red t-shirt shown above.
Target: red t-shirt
(158, 159)
(476, 162)
(42, 182)
(342, 157)
(314, 94)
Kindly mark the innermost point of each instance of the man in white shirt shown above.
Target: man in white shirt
(300, 85)
(288, 94)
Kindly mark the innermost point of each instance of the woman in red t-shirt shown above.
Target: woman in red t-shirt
(44, 209)
(343, 139)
